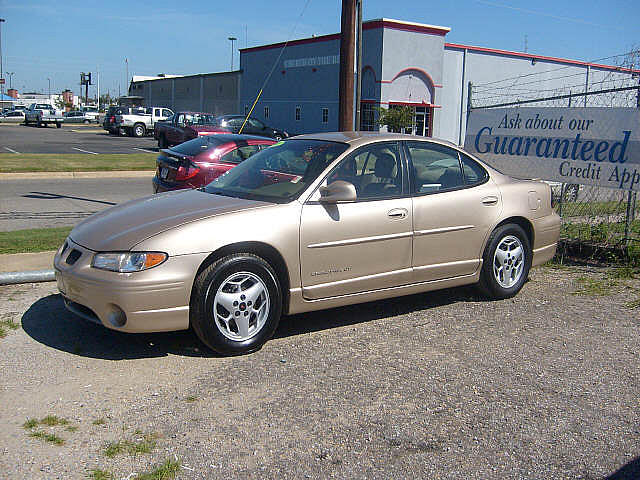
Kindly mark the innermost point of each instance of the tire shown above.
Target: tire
(506, 262)
(86, 122)
(214, 308)
(162, 142)
(39, 123)
(58, 125)
(138, 130)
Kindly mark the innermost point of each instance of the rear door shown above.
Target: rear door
(455, 203)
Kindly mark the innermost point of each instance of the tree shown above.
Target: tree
(396, 117)
(106, 99)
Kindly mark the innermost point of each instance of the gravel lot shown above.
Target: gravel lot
(442, 385)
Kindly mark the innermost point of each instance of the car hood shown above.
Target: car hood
(122, 227)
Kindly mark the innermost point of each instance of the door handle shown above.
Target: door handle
(397, 213)
(491, 200)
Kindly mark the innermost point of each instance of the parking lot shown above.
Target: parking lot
(440, 385)
(69, 139)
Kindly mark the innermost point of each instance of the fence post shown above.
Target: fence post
(627, 220)
(569, 98)
(561, 199)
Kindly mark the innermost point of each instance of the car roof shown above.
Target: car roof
(190, 112)
(362, 138)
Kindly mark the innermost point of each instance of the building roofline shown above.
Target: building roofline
(531, 56)
(186, 76)
(368, 25)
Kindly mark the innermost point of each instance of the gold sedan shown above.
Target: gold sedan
(313, 222)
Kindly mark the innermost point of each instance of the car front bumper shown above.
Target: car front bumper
(154, 300)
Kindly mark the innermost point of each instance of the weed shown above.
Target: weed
(30, 423)
(145, 445)
(626, 272)
(594, 287)
(71, 428)
(191, 398)
(99, 421)
(52, 421)
(7, 324)
(47, 437)
(97, 474)
(167, 471)
(633, 303)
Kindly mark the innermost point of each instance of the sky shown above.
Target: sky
(58, 39)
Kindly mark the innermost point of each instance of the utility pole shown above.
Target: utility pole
(11, 74)
(49, 91)
(126, 61)
(233, 39)
(2, 20)
(347, 43)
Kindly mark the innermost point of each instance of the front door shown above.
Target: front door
(364, 245)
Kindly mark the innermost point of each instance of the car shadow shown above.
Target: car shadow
(630, 471)
(366, 312)
(47, 321)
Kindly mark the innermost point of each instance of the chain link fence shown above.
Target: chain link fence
(599, 218)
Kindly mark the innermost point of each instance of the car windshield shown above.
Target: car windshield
(279, 173)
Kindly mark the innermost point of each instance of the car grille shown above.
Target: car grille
(73, 256)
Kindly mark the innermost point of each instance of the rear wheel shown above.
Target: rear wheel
(138, 130)
(58, 125)
(506, 262)
(236, 304)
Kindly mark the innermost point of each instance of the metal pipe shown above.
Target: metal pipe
(10, 278)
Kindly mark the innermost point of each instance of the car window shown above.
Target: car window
(435, 167)
(256, 123)
(166, 112)
(240, 154)
(234, 122)
(474, 174)
(375, 171)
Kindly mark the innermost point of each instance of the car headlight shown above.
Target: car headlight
(128, 262)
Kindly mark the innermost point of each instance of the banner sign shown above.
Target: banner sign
(594, 146)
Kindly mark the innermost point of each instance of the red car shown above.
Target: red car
(197, 162)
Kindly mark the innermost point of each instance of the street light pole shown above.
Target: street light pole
(233, 39)
(2, 20)
(11, 74)
(49, 80)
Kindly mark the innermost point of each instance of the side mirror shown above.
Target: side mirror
(338, 191)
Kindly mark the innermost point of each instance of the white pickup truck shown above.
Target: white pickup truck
(142, 120)
(43, 114)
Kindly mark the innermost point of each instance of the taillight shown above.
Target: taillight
(112, 119)
(185, 173)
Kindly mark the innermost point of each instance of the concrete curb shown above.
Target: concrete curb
(12, 278)
(50, 175)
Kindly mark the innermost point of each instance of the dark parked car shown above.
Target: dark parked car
(197, 162)
(233, 123)
(184, 126)
(76, 116)
(109, 123)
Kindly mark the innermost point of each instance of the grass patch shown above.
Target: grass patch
(97, 474)
(71, 428)
(626, 272)
(167, 471)
(594, 287)
(145, 445)
(30, 423)
(191, 398)
(75, 162)
(7, 324)
(52, 421)
(47, 437)
(33, 239)
(590, 209)
(633, 303)
(99, 421)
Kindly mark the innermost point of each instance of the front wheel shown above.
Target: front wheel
(236, 304)
(506, 262)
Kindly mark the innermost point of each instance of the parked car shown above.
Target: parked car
(12, 116)
(184, 126)
(109, 122)
(76, 116)
(20, 107)
(141, 120)
(197, 162)
(42, 114)
(91, 112)
(317, 221)
(253, 126)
